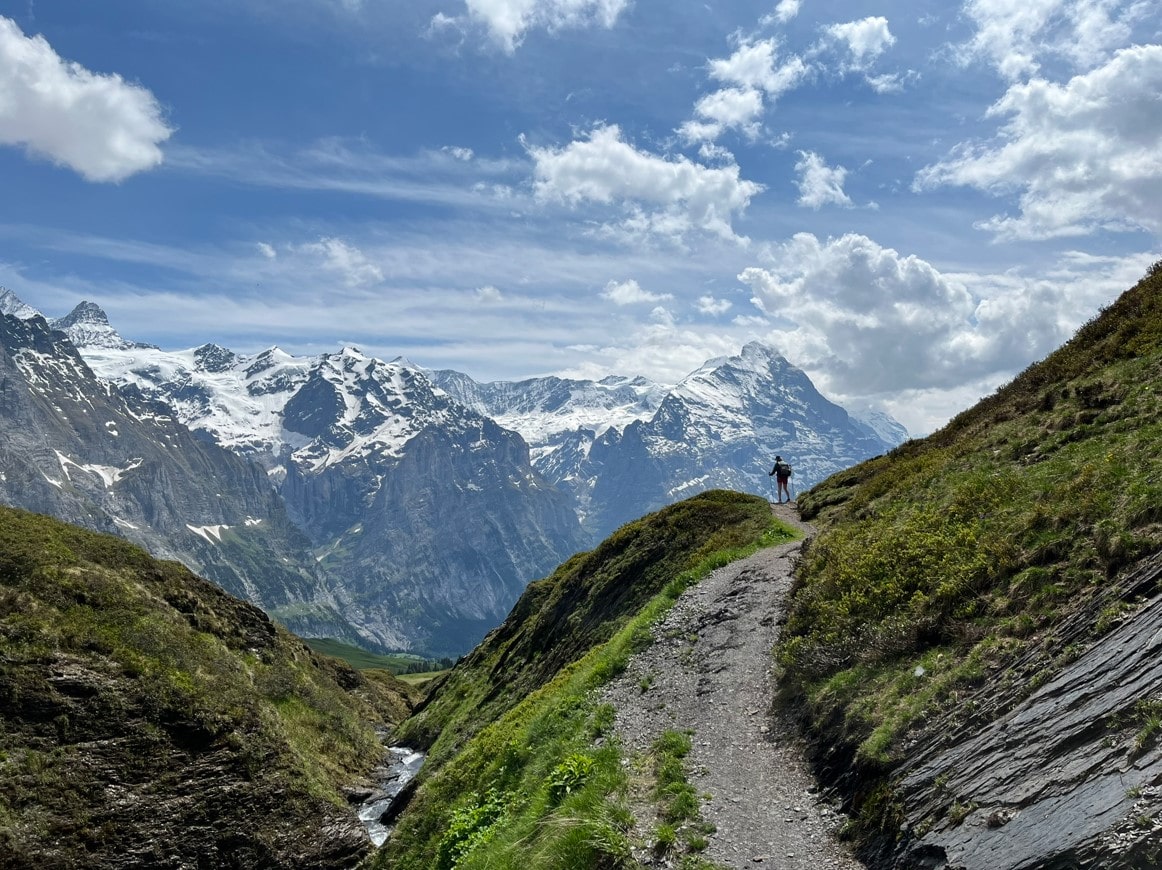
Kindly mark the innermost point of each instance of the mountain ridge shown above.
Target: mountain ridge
(380, 463)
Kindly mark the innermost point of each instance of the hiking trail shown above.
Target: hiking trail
(710, 671)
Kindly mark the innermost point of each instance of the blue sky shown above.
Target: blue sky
(912, 201)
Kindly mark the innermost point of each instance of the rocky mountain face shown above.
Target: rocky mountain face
(426, 517)
(427, 500)
(623, 448)
(76, 448)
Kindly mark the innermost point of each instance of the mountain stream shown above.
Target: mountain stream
(400, 767)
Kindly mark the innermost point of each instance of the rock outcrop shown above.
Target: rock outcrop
(1070, 776)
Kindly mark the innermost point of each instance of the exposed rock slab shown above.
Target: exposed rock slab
(1067, 778)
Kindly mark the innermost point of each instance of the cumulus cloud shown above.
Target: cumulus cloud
(709, 305)
(820, 184)
(754, 77)
(459, 153)
(488, 294)
(1084, 155)
(755, 64)
(870, 320)
(865, 39)
(660, 196)
(100, 126)
(725, 109)
(631, 293)
(346, 260)
(266, 250)
(1016, 37)
(508, 21)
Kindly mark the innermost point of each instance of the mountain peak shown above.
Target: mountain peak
(87, 325)
(84, 312)
(12, 304)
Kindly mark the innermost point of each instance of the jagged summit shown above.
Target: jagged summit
(84, 312)
(87, 326)
(214, 358)
(14, 306)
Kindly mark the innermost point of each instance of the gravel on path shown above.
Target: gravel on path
(710, 671)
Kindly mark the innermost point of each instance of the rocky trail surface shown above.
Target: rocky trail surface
(710, 672)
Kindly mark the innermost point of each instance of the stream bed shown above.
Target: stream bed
(399, 768)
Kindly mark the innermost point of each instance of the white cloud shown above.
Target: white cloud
(100, 126)
(346, 260)
(1016, 37)
(868, 320)
(1084, 155)
(784, 12)
(507, 21)
(662, 196)
(631, 293)
(266, 250)
(709, 305)
(755, 65)
(753, 77)
(458, 152)
(820, 184)
(663, 317)
(725, 109)
(865, 39)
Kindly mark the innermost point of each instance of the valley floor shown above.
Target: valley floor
(711, 672)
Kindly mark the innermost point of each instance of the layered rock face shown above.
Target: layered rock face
(1069, 777)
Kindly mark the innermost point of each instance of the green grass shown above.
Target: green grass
(537, 780)
(962, 552)
(398, 663)
(117, 667)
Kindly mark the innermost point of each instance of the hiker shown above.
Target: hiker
(782, 474)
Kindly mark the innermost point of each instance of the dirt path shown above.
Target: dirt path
(710, 672)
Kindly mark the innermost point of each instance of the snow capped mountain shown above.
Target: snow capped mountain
(430, 500)
(548, 410)
(88, 326)
(75, 448)
(622, 448)
(430, 512)
(11, 304)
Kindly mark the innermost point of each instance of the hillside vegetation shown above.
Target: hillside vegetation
(150, 719)
(521, 771)
(991, 549)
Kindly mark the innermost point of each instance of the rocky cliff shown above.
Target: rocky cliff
(85, 452)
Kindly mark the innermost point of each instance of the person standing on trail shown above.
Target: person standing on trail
(782, 475)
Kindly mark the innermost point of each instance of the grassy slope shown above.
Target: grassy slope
(959, 552)
(361, 659)
(520, 772)
(125, 679)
